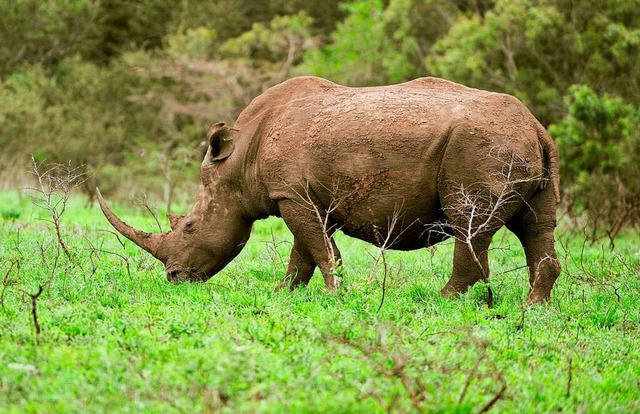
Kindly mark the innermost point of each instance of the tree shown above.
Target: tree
(380, 42)
(44, 32)
(537, 50)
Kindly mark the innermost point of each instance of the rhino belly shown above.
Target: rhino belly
(392, 220)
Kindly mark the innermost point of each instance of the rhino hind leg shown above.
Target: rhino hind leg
(473, 225)
(470, 264)
(534, 225)
(474, 216)
(543, 264)
(313, 237)
(300, 268)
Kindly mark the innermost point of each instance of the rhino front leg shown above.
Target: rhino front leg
(313, 237)
(301, 266)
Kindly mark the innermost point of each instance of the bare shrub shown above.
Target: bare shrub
(323, 215)
(388, 361)
(385, 242)
(144, 203)
(53, 267)
(55, 185)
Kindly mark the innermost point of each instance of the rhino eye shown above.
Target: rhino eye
(189, 227)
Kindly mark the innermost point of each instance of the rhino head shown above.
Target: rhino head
(214, 231)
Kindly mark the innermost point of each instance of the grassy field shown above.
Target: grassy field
(116, 337)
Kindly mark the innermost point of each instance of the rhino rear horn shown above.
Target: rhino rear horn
(148, 241)
(175, 220)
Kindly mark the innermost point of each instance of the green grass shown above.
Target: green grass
(118, 342)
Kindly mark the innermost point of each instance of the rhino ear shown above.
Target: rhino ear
(175, 219)
(221, 141)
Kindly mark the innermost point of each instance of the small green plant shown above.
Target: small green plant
(10, 214)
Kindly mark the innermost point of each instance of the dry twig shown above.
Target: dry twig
(144, 202)
(5, 282)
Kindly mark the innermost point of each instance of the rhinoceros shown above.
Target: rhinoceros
(401, 166)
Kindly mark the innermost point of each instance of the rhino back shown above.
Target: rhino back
(371, 153)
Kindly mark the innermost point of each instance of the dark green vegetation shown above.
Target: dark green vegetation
(128, 89)
(115, 336)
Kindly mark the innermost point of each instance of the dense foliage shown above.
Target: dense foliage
(128, 88)
(600, 142)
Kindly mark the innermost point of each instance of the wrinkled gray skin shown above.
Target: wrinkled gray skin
(309, 148)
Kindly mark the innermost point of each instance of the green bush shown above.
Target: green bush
(86, 115)
(599, 141)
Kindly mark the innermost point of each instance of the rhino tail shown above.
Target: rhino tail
(551, 161)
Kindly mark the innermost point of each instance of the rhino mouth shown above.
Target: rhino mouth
(179, 275)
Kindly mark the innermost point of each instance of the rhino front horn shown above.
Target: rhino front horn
(148, 241)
